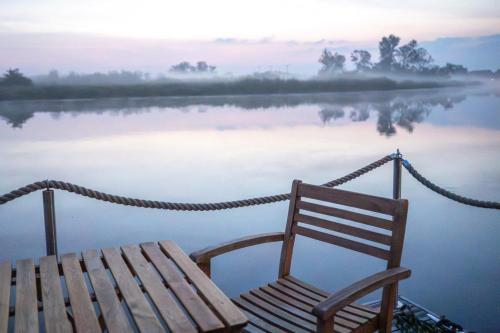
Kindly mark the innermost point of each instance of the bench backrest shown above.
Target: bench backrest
(327, 215)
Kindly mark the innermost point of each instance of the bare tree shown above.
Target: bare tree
(362, 60)
(387, 48)
(332, 63)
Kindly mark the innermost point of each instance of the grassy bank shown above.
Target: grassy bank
(216, 88)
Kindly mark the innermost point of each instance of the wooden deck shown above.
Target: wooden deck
(153, 287)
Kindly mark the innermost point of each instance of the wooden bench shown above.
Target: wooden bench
(146, 288)
(290, 304)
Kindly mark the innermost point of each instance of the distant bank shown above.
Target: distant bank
(218, 88)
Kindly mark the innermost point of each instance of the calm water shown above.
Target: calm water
(214, 149)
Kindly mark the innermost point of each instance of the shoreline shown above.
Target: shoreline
(246, 87)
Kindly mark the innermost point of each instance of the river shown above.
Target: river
(209, 149)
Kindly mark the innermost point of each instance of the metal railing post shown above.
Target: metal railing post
(396, 182)
(50, 222)
(396, 193)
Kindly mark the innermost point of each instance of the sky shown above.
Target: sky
(237, 35)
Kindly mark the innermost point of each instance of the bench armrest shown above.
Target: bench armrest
(204, 255)
(327, 308)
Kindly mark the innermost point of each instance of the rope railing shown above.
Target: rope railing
(121, 200)
(181, 206)
(450, 195)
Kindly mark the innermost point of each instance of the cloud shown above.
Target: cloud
(229, 41)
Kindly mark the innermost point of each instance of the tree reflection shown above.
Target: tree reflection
(392, 110)
(390, 114)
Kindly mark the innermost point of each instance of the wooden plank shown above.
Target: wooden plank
(196, 307)
(344, 228)
(361, 310)
(175, 318)
(230, 314)
(307, 286)
(346, 214)
(138, 305)
(287, 299)
(300, 290)
(302, 302)
(84, 316)
(26, 319)
(54, 309)
(342, 313)
(283, 305)
(300, 313)
(347, 198)
(257, 322)
(276, 311)
(289, 292)
(289, 239)
(249, 328)
(112, 311)
(343, 242)
(5, 278)
(270, 318)
(353, 313)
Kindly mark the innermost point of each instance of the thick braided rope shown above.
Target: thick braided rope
(177, 205)
(450, 195)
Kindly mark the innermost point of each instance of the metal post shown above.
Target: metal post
(396, 183)
(396, 193)
(50, 222)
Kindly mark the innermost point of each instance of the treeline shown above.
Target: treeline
(216, 88)
(409, 58)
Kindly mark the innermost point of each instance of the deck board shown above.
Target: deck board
(139, 306)
(111, 308)
(26, 320)
(200, 311)
(230, 314)
(81, 305)
(56, 319)
(5, 274)
(175, 318)
(133, 288)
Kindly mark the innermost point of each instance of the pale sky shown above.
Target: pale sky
(256, 19)
(151, 35)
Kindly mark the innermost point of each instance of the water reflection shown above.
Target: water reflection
(224, 148)
(391, 109)
(394, 112)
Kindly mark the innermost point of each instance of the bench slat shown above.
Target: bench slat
(139, 306)
(79, 297)
(176, 320)
(111, 308)
(197, 308)
(5, 275)
(26, 303)
(54, 309)
(230, 314)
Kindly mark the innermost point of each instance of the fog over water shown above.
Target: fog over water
(205, 149)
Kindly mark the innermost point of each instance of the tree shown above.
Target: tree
(203, 67)
(412, 58)
(453, 69)
(387, 48)
(332, 63)
(362, 60)
(182, 67)
(13, 77)
(186, 68)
